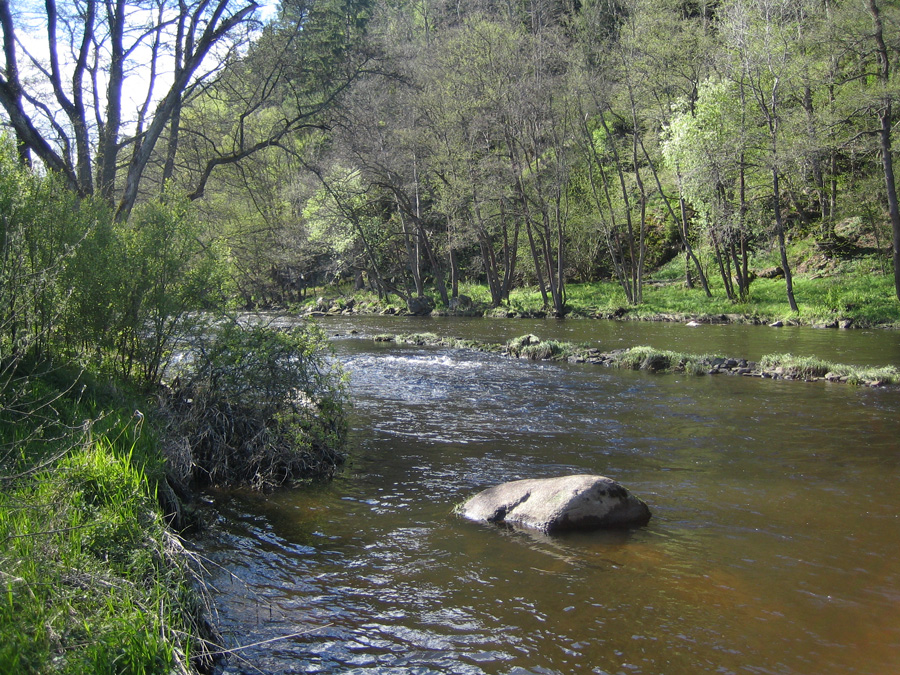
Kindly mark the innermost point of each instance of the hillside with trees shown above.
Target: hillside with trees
(413, 146)
(547, 143)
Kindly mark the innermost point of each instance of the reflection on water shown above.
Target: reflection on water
(773, 547)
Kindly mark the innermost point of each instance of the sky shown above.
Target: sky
(30, 17)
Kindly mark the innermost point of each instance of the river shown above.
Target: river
(774, 545)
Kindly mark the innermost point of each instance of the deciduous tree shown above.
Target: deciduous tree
(92, 100)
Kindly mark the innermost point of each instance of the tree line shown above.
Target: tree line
(413, 144)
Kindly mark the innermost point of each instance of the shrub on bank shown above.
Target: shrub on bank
(256, 406)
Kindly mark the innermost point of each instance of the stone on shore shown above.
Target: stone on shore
(567, 503)
(419, 306)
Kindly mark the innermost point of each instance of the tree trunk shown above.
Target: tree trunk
(742, 218)
(885, 119)
(109, 141)
(782, 246)
(454, 264)
(891, 185)
(510, 255)
(486, 245)
(411, 244)
(631, 272)
(682, 231)
(604, 202)
(436, 267)
(721, 260)
(536, 256)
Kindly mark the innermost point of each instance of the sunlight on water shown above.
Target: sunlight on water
(773, 547)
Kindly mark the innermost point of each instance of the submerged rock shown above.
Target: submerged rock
(581, 502)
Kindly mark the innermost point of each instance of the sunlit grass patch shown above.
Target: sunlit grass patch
(91, 579)
(657, 360)
(855, 289)
(806, 367)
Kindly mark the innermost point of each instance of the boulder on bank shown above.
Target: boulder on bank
(567, 503)
(461, 303)
(419, 306)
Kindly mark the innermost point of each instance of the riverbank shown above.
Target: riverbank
(774, 366)
(99, 475)
(94, 580)
(839, 296)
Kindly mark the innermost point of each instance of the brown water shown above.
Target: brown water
(774, 546)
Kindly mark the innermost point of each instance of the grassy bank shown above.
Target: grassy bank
(829, 291)
(92, 580)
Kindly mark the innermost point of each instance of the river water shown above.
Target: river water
(774, 545)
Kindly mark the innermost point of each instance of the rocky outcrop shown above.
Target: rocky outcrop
(567, 503)
(771, 273)
(461, 303)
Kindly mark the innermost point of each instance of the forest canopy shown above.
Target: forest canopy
(413, 145)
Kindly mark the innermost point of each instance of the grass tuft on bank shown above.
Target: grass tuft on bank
(533, 348)
(805, 367)
(656, 360)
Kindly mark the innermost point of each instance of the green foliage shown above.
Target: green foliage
(74, 281)
(519, 143)
(41, 226)
(256, 405)
(165, 273)
(91, 580)
(705, 144)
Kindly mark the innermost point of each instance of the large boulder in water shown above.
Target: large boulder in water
(567, 503)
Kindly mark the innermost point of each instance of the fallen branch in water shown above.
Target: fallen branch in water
(224, 652)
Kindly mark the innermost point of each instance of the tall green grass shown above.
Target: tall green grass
(91, 579)
(657, 360)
